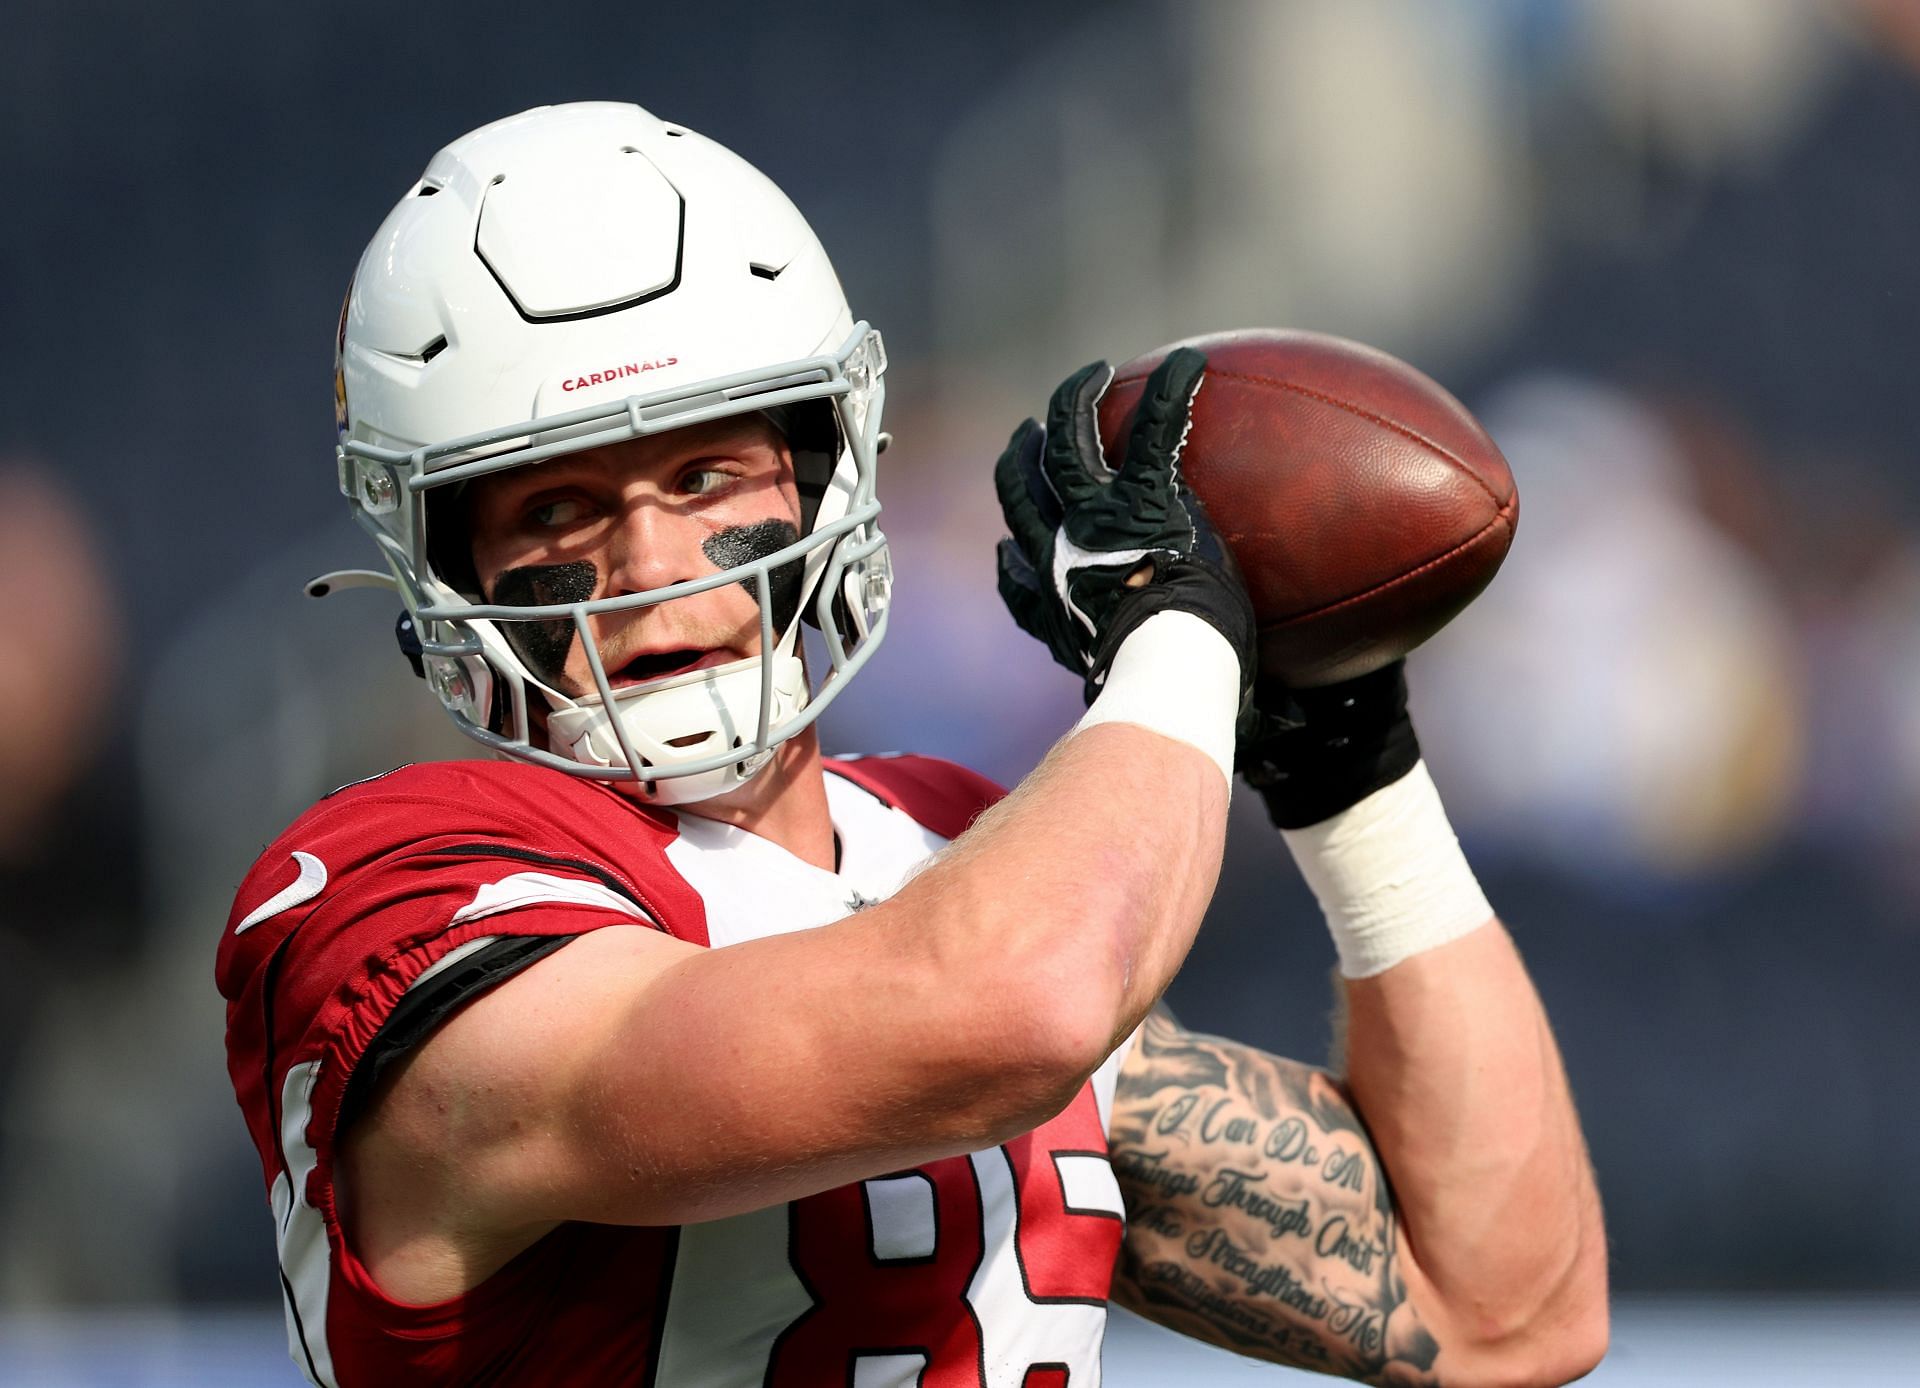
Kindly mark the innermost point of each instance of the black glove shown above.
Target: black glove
(1312, 753)
(1081, 528)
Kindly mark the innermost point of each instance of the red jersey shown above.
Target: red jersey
(394, 901)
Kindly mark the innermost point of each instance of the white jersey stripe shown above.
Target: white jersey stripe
(305, 1260)
(452, 957)
(524, 889)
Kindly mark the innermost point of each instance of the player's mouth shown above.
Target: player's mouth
(657, 665)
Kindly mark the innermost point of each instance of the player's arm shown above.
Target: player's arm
(629, 1078)
(1429, 1215)
(1258, 1214)
(1441, 1229)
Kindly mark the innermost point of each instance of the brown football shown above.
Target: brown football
(1365, 505)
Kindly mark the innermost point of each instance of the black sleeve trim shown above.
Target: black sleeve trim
(427, 1005)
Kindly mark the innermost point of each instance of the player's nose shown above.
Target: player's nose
(653, 547)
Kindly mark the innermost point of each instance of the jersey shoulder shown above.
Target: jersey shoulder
(433, 845)
(441, 820)
(941, 795)
(384, 880)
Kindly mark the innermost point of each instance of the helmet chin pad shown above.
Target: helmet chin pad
(683, 719)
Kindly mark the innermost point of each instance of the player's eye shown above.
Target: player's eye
(549, 515)
(705, 481)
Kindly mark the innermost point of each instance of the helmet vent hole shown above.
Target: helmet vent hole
(675, 130)
(688, 739)
(427, 190)
(628, 149)
(433, 349)
(767, 272)
(498, 179)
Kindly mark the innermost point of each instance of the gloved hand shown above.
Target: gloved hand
(1096, 551)
(1312, 753)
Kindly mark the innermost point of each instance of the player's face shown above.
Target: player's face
(629, 517)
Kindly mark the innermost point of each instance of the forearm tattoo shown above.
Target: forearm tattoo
(1258, 1214)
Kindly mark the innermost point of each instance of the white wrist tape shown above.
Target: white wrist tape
(1389, 876)
(1177, 676)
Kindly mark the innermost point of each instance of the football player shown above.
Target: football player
(659, 1048)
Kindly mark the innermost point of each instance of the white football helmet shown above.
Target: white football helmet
(568, 278)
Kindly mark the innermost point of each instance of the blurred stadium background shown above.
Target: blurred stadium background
(1667, 248)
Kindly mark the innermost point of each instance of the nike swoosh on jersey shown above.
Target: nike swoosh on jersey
(309, 884)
